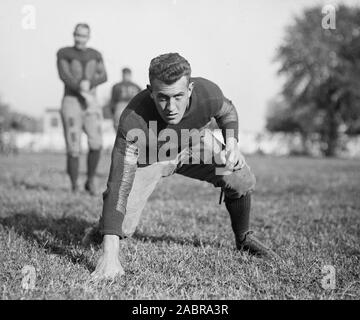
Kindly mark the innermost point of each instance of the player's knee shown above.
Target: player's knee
(95, 144)
(239, 183)
(73, 151)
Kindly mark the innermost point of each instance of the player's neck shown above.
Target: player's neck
(80, 48)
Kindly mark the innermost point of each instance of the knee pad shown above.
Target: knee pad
(239, 183)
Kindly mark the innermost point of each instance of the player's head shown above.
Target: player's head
(170, 86)
(126, 74)
(81, 35)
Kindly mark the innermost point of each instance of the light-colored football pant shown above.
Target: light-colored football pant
(234, 183)
(78, 117)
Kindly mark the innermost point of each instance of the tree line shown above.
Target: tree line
(12, 120)
(320, 98)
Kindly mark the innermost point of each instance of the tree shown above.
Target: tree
(17, 121)
(322, 76)
(5, 117)
(282, 118)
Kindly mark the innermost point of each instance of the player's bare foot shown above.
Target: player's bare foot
(109, 266)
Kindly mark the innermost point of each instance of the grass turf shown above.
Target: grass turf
(307, 210)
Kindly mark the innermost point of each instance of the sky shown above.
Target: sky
(230, 42)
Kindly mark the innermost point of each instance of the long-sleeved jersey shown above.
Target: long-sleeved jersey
(75, 65)
(124, 91)
(207, 102)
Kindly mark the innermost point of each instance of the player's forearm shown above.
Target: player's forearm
(230, 130)
(121, 177)
(227, 120)
(71, 83)
(100, 78)
(66, 76)
(112, 104)
(114, 96)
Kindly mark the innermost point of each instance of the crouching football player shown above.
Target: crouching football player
(172, 103)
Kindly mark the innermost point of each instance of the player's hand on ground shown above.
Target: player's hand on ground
(234, 160)
(109, 266)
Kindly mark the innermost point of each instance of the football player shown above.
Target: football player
(174, 103)
(121, 94)
(82, 70)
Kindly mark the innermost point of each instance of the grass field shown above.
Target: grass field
(308, 210)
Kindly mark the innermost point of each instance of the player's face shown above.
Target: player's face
(171, 100)
(126, 76)
(81, 37)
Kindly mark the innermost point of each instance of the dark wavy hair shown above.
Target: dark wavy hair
(169, 68)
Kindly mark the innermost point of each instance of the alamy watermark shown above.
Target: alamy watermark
(28, 21)
(29, 277)
(328, 281)
(329, 17)
(189, 146)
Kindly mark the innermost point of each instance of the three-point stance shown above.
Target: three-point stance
(172, 103)
(82, 70)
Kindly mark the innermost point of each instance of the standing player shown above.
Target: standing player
(174, 102)
(82, 70)
(121, 95)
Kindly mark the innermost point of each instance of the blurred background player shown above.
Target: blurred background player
(121, 95)
(82, 70)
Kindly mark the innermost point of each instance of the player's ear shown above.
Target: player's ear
(150, 89)
(191, 87)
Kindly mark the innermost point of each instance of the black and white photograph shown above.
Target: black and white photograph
(199, 151)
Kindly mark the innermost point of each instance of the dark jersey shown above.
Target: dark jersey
(124, 91)
(207, 102)
(75, 65)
